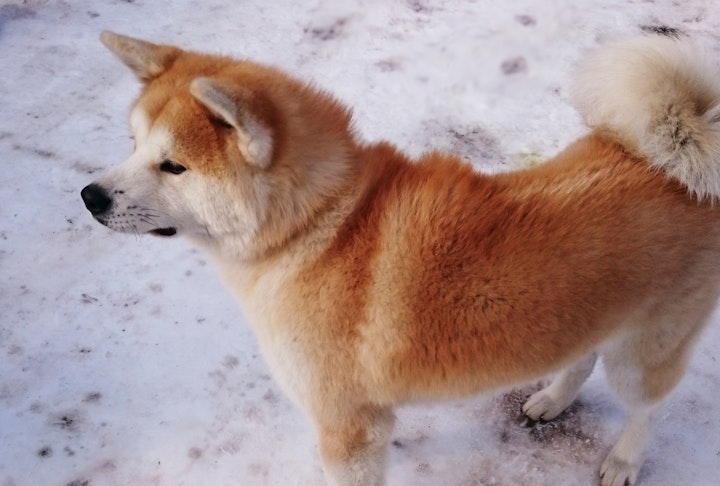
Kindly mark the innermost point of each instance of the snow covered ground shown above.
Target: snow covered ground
(124, 362)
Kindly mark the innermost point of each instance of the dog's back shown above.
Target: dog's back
(478, 281)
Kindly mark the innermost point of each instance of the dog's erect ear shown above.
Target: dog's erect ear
(146, 60)
(232, 106)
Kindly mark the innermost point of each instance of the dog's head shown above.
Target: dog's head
(228, 152)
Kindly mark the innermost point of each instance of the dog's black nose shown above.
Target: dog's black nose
(96, 199)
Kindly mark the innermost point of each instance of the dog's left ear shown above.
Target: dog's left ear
(145, 59)
(232, 105)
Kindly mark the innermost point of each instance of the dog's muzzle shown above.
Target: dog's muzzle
(98, 202)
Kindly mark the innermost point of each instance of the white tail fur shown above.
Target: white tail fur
(660, 97)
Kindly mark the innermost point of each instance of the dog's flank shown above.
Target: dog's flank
(371, 279)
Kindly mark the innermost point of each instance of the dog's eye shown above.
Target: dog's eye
(172, 167)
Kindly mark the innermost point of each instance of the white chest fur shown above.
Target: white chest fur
(278, 330)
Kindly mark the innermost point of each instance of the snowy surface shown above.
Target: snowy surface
(124, 362)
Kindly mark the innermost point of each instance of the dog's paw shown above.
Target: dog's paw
(617, 471)
(543, 406)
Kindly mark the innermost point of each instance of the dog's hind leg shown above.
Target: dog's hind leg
(622, 465)
(549, 402)
(629, 377)
(643, 366)
(353, 445)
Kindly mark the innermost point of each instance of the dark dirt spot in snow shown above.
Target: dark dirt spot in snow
(45, 451)
(92, 397)
(472, 143)
(45, 154)
(15, 12)
(526, 20)
(231, 446)
(85, 168)
(511, 402)
(36, 407)
(271, 397)
(388, 65)
(68, 421)
(87, 299)
(574, 433)
(410, 442)
(108, 466)
(419, 6)
(65, 422)
(79, 482)
(424, 468)
(567, 427)
(254, 414)
(514, 65)
(230, 362)
(329, 32)
(661, 30)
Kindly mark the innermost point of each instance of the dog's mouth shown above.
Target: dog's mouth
(164, 231)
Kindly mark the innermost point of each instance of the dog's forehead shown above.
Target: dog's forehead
(184, 127)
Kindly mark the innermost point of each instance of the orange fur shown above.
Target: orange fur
(371, 279)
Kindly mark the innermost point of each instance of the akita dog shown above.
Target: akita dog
(372, 280)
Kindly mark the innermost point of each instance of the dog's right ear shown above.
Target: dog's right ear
(232, 105)
(145, 59)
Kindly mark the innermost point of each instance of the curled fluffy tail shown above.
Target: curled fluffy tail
(660, 97)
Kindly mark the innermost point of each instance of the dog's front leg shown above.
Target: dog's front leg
(353, 445)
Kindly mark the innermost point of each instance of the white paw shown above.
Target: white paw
(616, 471)
(543, 406)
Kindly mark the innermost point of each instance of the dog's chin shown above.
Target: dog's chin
(164, 231)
